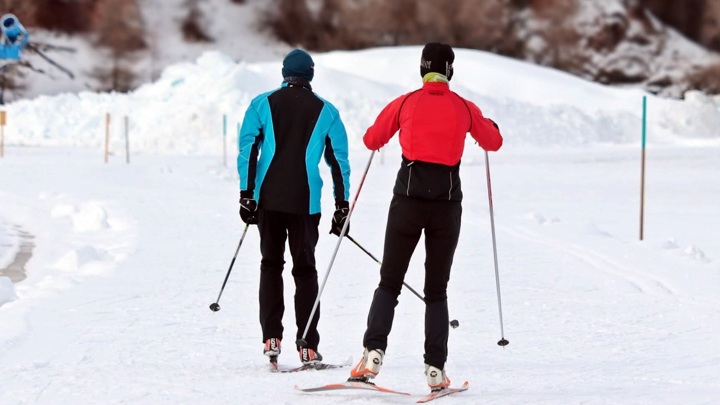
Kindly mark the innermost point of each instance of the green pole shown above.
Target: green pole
(642, 167)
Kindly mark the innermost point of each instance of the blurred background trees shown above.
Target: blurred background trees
(68, 17)
(115, 27)
(612, 42)
(193, 25)
(119, 32)
(696, 19)
(608, 41)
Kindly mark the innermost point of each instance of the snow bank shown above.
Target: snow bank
(9, 244)
(7, 290)
(182, 112)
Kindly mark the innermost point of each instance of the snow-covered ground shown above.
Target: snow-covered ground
(128, 257)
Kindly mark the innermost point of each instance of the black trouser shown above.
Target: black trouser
(301, 231)
(407, 219)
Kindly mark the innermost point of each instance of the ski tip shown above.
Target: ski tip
(444, 392)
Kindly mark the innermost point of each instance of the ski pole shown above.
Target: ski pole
(215, 306)
(380, 263)
(302, 342)
(50, 61)
(454, 323)
(43, 46)
(502, 341)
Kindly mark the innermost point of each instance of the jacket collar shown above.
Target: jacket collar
(294, 81)
(436, 86)
(435, 77)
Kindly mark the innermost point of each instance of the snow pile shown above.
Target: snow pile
(9, 244)
(7, 290)
(85, 260)
(89, 217)
(182, 112)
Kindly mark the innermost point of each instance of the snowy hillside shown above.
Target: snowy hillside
(126, 258)
(615, 41)
(609, 41)
(233, 28)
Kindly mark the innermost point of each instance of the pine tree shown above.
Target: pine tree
(192, 26)
(120, 33)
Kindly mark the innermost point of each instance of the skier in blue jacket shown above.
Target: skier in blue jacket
(283, 137)
(14, 38)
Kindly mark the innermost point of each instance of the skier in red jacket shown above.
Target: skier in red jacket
(433, 122)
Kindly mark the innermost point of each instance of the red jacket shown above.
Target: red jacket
(433, 122)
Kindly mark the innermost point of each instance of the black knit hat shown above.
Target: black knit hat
(437, 57)
(298, 63)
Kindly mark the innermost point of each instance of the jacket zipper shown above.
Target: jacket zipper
(409, 177)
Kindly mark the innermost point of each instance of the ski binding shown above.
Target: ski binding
(274, 367)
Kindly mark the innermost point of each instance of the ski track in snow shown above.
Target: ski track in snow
(641, 282)
(127, 276)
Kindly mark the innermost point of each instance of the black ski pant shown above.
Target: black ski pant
(407, 220)
(301, 232)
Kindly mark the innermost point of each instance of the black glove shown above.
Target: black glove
(342, 209)
(248, 208)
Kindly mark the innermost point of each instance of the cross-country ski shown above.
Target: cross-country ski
(351, 385)
(442, 393)
(276, 368)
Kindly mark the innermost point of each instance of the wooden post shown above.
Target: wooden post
(127, 140)
(107, 136)
(2, 133)
(642, 167)
(225, 139)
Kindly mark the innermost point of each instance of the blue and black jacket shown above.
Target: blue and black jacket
(13, 38)
(283, 136)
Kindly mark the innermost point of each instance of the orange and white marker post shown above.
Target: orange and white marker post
(107, 136)
(2, 133)
(127, 140)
